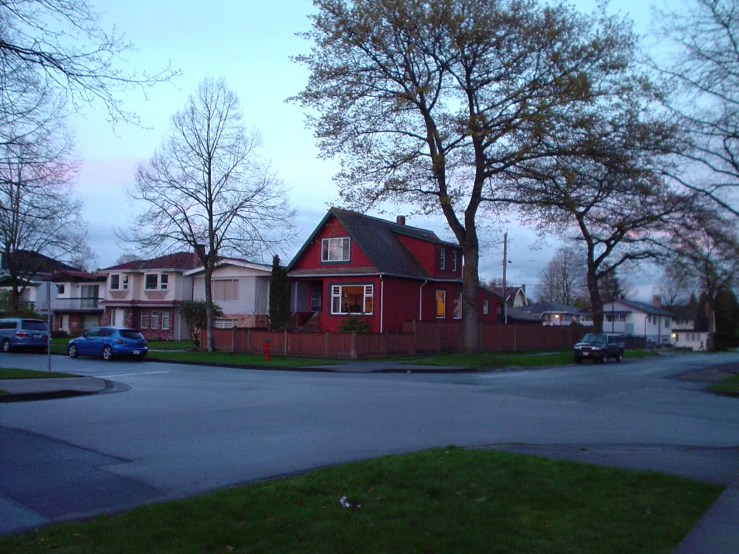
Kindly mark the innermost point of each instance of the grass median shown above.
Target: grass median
(728, 386)
(440, 500)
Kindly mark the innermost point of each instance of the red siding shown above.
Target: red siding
(311, 256)
(429, 255)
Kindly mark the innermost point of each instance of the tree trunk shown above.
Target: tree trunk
(596, 302)
(209, 314)
(470, 286)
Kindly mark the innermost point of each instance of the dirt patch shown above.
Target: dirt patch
(710, 375)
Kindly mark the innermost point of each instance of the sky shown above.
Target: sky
(248, 42)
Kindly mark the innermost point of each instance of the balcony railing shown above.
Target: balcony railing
(76, 304)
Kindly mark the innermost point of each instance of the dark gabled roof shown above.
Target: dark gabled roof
(378, 238)
(646, 308)
(517, 314)
(31, 263)
(179, 260)
(75, 277)
(539, 308)
(683, 313)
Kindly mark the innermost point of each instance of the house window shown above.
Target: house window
(125, 282)
(151, 281)
(457, 307)
(225, 323)
(225, 289)
(454, 260)
(442, 258)
(485, 306)
(155, 319)
(166, 316)
(60, 289)
(164, 281)
(145, 320)
(667, 323)
(352, 299)
(335, 249)
(115, 282)
(441, 304)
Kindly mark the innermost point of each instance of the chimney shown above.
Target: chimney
(400, 220)
(656, 301)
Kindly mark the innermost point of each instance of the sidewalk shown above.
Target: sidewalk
(21, 390)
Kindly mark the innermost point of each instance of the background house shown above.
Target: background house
(637, 319)
(76, 302)
(240, 288)
(145, 294)
(386, 272)
(690, 326)
(554, 313)
(515, 296)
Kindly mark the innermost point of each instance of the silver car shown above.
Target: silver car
(18, 333)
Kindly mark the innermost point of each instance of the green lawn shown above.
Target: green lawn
(10, 373)
(727, 386)
(440, 500)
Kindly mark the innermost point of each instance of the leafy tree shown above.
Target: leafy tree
(195, 314)
(704, 73)
(563, 279)
(206, 188)
(706, 246)
(279, 295)
(727, 320)
(430, 103)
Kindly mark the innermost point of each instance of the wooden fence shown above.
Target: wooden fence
(418, 337)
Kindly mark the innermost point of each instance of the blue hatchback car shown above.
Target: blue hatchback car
(109, 342)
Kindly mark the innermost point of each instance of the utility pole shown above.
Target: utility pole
(505, 264)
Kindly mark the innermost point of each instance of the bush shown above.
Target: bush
(354, 324)
(59, 335)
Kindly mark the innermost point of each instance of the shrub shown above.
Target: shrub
(354, 324)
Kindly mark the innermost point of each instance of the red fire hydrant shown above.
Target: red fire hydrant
(265, 349)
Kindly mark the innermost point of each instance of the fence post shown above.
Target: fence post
(284, 346)
(248, 339)
(354, 346)
(387, 343)
(438, 337)
(325, 348)
(415, 339)
(515, 338)
(233, 339)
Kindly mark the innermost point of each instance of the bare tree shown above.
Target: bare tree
(62, 43)
(38, 212)
(563, 279)
(427, 102)
(704, 73)
(674, 284)
(706, 246)
(205, 187)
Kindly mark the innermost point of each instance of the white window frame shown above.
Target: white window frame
(220, 294)
(164, 281)
(330, 247)
(485, 306)
(337, 294)
(166, 320)
(147, 278)
(442, 259)
(457, 304)
(439, 296)
(60, 289)
(144, 319)
(117, 285)
(154, 321)
(454, 260)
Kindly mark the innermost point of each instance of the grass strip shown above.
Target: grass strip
(11, 373)
(439, 500)
(235, 359)
(727, 386)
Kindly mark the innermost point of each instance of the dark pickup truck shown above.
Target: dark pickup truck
(599, 347)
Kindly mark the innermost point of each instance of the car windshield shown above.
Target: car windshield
(591, 338)
(131, 334)
(34, 325)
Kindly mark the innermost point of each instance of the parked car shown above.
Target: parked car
(109, 342)
(20, 333)
(599, 347)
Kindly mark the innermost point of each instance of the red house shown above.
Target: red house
(381, 271)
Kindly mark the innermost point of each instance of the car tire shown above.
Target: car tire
(72, 351)
(603, 358)
(578, 360)
(619, 356)
(107, 353)
(6, 345)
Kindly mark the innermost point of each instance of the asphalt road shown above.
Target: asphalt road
(174, 430)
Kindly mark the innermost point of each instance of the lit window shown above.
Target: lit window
(441, 303)
(352, 299)
(457, 307)
(335, 249)
(442, 258)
